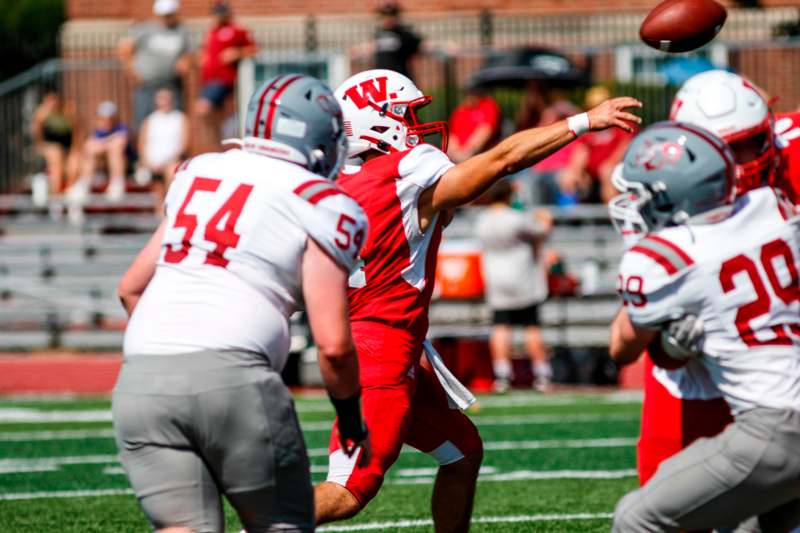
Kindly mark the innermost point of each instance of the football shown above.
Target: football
(662, 360)
(682, 25)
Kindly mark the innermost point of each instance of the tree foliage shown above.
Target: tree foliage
(28, 33)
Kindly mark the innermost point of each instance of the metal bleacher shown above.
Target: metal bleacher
(589, 247)
(58, 280)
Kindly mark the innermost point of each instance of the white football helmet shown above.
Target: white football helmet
(380, 113)
(732, 108)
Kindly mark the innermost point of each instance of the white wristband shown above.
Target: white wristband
(578, 124)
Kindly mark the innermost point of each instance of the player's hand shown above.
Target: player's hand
(683, 338)
(351, 444)
(612, 113)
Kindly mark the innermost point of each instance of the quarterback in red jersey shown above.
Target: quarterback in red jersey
(406, 187)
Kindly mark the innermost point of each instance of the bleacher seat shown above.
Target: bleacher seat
(58, 281)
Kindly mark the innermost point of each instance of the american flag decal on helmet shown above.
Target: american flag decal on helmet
(348, 128)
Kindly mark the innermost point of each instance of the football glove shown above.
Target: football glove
(683, 338)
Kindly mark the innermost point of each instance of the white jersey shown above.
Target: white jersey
(229, 273)
(740, 276)
(164, 140)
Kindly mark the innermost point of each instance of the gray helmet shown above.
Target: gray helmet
(673, 173)
(297, 118)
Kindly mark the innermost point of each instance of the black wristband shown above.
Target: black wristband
(351, 426)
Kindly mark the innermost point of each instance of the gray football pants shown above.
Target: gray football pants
(752, 469)
(192, 427)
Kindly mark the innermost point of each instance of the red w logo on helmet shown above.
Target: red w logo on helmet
(371, 90)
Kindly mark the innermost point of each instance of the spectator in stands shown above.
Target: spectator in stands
(156, 54)
(593, 157)
(226, 44)
(533, 105)
(107, 146)
(52, 130)
(474, 125)
(516, 281)
(395, 43)
(163, 141)
(540, 184)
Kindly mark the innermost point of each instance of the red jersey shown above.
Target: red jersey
(227, 35)
(602, 145)
(787, 139)
(466, 118)
(393, 281)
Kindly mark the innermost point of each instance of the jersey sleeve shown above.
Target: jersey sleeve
(424, 165)
(338, 224)
(654, 283)
(418, 169)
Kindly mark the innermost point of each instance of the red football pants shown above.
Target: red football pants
(669, 424)
(403, 403)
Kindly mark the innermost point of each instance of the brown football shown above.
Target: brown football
(682, 25)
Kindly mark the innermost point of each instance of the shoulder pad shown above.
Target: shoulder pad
(338, 223)
(651, 281)
(314, 191)
(669, 256)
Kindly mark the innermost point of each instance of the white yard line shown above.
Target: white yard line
(58, 461)
(424, 476)
(63, 494)
(558, 443)
(65, 434)
(8, 413)
(524, 420)
(529, 475)
(516, 519)
(323, 452)
(24, 415)
(514, 399)
(430, 472)
(525, 445)
(34, 416)
(24, 469)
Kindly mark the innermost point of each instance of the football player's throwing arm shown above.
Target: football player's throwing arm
(468, 180)
(325, 295)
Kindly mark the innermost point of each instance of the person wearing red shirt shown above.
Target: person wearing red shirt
(226, 44)
(474, 125)
(787, 140)
(595, 155)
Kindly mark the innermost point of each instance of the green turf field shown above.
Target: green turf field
(556, 462)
